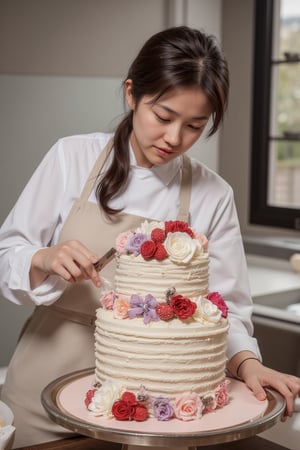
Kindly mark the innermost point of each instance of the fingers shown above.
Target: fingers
(72, 261)
(287, 385)
(258, 390)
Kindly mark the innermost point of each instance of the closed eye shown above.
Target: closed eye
(161, 119)
(194, 127)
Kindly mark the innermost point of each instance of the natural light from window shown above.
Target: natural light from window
(284, 155)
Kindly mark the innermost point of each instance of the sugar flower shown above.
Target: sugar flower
(134, 243)
(122, 240)
(121, 307)
(108, 299)
(207, 310)
(162, 408)
(104, 397)
(218, 300)
(180, 247)
(143, 307)
(147, 227)
(188, 406)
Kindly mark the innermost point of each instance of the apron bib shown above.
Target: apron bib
(59, 339)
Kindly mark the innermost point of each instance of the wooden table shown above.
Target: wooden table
(83, 443)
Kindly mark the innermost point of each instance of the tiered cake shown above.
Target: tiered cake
(160, 335)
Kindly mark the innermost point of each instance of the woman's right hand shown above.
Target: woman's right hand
(71, 260)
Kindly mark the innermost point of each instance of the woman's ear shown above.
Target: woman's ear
(128, 86)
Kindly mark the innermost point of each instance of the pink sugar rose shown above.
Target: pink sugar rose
(122, 240)
(218, 300)
(108, 299)
(121, 307)
(203, 241)
(221, 394)
(188, 406)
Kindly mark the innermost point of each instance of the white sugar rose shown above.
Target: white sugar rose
(180, 247)
(147, 227)
(207, 310)
(104, 398)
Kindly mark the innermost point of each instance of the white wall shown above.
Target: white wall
(61, 67)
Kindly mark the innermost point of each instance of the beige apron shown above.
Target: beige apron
(59, 339)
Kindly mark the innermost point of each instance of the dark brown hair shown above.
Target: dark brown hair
(175, 57)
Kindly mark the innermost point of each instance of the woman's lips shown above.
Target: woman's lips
(164, 151)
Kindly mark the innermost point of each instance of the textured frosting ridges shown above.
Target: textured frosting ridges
(168, 358)
(135, 275)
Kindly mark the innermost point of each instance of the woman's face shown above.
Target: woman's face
(169, 127)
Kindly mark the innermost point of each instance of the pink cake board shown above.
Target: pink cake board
(243, 407)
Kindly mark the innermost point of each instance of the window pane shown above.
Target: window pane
(286, 99)
(284, 149)
(289, 34)
(284, 176)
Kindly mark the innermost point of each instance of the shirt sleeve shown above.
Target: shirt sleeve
(29, 227)
(228, 272)
(229, 276)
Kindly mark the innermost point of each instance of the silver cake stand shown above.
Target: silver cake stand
(133, 440)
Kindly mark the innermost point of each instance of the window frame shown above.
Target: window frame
(260, 212)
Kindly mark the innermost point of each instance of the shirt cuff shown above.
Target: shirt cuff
(45, 294)
(238, 342)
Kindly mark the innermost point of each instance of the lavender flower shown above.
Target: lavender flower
(134, 243)
(143, 307)
(162, 408)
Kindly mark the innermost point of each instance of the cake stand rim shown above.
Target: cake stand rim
(49, 400)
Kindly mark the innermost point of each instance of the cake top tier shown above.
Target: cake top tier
(162, 274)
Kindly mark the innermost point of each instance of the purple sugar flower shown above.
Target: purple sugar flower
(143, 307)
(134, 243)
(162, 408)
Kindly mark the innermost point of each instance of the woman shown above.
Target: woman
(90, 188)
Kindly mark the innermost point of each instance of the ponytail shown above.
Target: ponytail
(115, 178)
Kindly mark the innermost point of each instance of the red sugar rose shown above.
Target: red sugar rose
(128, 408)
(158, 235)
(122, 410)
(172, 226)
(89, 396)
(148, 249)
(140, 414)
(218, 300)
(130, 398)
(182, 307)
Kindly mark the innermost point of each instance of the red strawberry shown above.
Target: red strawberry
(164, 311)
(158, 235)
(89, 396)
(160, 252)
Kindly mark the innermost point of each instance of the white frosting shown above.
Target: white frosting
(168, 358)
(135, 275)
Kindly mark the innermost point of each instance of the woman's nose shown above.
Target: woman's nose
(173, 135)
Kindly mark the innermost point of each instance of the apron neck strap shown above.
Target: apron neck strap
(91, 181)
(185, 190)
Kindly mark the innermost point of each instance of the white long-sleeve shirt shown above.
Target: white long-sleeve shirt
(42, 208)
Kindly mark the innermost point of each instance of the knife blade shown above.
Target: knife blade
(105, 259)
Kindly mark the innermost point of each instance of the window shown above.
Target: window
(275, 170)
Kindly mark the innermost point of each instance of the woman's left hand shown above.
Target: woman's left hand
(257, 377)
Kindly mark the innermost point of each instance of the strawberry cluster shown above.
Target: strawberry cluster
(154, 248)
(178, 306)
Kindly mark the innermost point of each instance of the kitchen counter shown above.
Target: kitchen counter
(82, 443)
